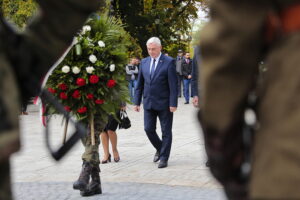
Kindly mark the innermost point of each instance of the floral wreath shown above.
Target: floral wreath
(91, 78)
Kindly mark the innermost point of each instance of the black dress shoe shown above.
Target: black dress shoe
(163, 164)
(156, 157)
(186, 103)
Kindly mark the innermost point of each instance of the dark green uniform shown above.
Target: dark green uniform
(233, 43)
(28, 56)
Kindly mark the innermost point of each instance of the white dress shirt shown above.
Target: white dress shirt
(156, 62)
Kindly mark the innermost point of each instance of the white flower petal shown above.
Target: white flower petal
(101, 43)
(65, 69)
(112, 67)
(93, 58)
(75, 70)
(90, 69)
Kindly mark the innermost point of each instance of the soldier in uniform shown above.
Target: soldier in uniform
(27, 56)
(239, 35)
(91, 162)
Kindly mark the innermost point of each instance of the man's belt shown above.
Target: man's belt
(283, 22)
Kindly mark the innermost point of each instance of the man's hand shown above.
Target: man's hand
(173, 109)
(195, 101)
(137, 108)
(189, 76)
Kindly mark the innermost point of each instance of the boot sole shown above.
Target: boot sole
(90, 193)
(80, 187)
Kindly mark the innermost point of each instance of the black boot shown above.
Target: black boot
(95, 184)
(84, 178)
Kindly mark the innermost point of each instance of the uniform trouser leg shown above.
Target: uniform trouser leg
(5, 183)
(166, 122)
(150, 118)
(91, 152)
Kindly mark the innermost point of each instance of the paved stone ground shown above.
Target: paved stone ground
(112, 191)
(37, 176)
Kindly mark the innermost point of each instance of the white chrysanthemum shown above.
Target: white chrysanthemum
(75, 70)
(86, 29)
(101, 43)
(90, 69)
(112, 67)
(93, 58)
(65, 69)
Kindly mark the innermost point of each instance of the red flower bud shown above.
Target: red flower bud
(63, 95)
(51, 90)
(80, 81)
(99, 101)
(76, 94)
(67, 108)
(111, 83)
(94, 79)
(82, 110)
(90, 96)
(63, 86)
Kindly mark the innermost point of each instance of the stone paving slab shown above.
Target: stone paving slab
(114, 191)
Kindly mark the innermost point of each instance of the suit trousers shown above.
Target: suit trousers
(166, 121)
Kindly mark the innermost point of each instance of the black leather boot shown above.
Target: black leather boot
(95, 185)
(84, 177)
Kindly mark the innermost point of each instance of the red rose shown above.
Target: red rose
(63, 95)
(94, 79)
(63, 86)
(76, 94)
(67, 108)
(82, 110)
(111, 83)
(51, 90)
(99, 101)
(80, 81)
(90, 96)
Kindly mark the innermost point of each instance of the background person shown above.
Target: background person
(179, 60)
(131, 76)
(186, 69)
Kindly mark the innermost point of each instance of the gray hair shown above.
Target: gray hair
(155, 40)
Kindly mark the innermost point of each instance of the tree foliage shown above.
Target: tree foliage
(167, 19)
(18, 11)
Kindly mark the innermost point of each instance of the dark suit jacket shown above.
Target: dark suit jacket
(160, 92)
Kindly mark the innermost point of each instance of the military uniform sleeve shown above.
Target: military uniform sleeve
(46, 38)
(231, 48)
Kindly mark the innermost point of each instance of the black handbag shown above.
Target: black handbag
(124, 120)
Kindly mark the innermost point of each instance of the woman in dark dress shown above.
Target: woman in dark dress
(109, 134)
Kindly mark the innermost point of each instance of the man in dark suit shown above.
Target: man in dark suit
(157, 83)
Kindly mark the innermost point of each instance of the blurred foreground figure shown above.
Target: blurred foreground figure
(239, 36)
(24, 60)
